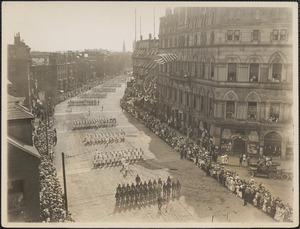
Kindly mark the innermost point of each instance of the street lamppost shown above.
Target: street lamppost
(65, 182)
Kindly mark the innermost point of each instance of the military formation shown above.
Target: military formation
(84, 124)
(147, 192)
(103, 138)
(119, 157)
(93, 95)
(84, 102)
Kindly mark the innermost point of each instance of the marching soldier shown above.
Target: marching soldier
(159, 202)
(137, 179)
(173, 189)
(178, 187)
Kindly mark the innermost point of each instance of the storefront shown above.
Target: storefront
(272, 144)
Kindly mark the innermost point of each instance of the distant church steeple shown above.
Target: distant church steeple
(124, 49)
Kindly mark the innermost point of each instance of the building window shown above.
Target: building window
(188, 41)
(274, 112)
(195, 101)
(212, 37)
(195, 39)
(252, 111)
(187, 99)
(275, 34)
(232, 69)
(212, 70)
(175, 41)
(166, 43)
(204, 38)
(201, 103)
(180, 96)
(210, 106)
(170, 42)
(253, 73)
(202, 69)
(276, 72)
(229, 35)
(230, 109)
(255, 35)
(236, 35)
(283, 34)
(195, 67)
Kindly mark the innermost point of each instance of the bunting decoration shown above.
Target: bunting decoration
(166, 58)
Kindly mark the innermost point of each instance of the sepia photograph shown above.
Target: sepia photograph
(144, 114)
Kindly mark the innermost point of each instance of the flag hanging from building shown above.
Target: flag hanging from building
(166, 58)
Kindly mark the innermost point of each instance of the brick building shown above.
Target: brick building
(233, 76)
(18, 61)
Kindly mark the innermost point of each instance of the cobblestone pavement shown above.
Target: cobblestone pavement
(91, 191)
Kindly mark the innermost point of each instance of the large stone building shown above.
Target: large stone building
(233, 77)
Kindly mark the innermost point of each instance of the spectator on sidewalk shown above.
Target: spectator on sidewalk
(241, 160)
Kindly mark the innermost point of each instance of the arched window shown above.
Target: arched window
(230, 105)
(188, 41)
(212, 69)
(212, 37)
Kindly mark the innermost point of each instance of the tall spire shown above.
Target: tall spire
(124, 49)
(140, 26)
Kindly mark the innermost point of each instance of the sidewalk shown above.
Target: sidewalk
(284, 164)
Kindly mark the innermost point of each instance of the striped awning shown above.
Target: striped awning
(166, 58)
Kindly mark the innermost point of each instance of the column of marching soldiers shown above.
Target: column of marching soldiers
(118, 157)
(83, 124)
(141, 193)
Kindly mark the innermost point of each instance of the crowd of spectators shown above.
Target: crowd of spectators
(52, 205)
(204, 154)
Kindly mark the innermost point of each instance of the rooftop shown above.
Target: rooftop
(15, 110)
(24, 147)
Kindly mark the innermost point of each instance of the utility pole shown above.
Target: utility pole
(65, 183)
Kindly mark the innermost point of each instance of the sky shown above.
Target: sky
(62, 26)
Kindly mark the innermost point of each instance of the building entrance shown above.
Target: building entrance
(239, 146)
(272, 144)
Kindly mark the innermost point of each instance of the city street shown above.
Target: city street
(91, 192)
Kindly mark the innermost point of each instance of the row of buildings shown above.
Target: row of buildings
(38, 75)
(226, 71)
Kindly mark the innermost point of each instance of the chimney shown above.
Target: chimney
(141, 37)
(17, 38)
(150, 36)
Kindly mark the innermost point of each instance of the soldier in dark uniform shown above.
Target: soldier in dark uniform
(169, 186)
(159, 181)
(164, 189)
(127, 193)
(137, 179)
(159, 202)
(118, 195)
(178, 187)
(169, 180)
(137, 193)
(123, 194)
(173, 189)
(132, 193)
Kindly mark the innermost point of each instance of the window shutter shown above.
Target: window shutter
(251, 36)
(225, 36)
(287, 35)
(259, 35)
